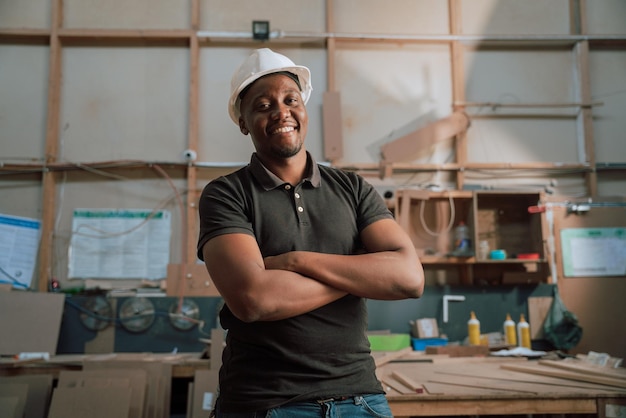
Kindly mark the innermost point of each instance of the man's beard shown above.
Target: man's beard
(287, 152)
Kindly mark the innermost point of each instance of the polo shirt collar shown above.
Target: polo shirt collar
(269, 180)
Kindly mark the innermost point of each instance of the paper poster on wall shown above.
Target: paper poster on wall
(594, 252)
(119, 244)
(19, 242)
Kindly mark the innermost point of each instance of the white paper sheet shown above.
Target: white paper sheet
(19, 242)
(594, 252)
(119, 244)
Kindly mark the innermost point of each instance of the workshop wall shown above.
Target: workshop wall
(125, 98)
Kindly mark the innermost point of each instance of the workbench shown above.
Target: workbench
(439, 385)
(499, 386)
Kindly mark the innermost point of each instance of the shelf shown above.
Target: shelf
(438, 260)
(499, 217)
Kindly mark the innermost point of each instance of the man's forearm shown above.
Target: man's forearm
(388, 275)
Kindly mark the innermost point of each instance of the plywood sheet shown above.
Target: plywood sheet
(14, 396)
(159, 377)
(538, 308)
(134, 379)
(550, 371)
(32, 320)
(39, 393)
(81, 402)
(204, 392)
(585, 368)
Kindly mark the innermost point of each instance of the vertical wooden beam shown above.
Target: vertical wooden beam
(458, 85)
(333, 138)
(195, 15)
(331, 118)
(192, 142)
(189, 217)
(330, 45)
(584, 121)
(49, 179)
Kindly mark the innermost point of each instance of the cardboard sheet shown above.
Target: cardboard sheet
(204, 392)
(38, 396)
(31, 320)
(134, 379)
(13, 398)
(81, 402)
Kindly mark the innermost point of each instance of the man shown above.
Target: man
(295, 248)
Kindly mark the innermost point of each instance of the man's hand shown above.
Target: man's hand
(255, 292)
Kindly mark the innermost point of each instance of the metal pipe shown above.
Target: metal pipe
(450, 298)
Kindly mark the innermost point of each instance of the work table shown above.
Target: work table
(439, 385)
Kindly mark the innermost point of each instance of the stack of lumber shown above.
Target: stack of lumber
(411, 374)
(576, 370)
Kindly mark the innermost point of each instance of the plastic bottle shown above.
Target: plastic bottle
(462, 241)
(509, 331)
(483, 250)
(523, 332)
(473, 329)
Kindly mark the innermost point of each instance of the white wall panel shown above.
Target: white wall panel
(32, 14)
(83, 190)
(391, 17)
(21, 196)
(387, 88)
(522, 140)
(608, 86)
(237, 15)
(123, 14)
(606, 17)
(23, 97)
(124, 103)
(519, 77)
(514, 17)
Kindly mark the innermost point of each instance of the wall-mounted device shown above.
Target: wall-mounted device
(261, 30)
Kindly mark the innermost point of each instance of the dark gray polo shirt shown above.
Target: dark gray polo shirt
(315, 355)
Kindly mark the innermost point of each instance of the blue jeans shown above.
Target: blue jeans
(365, 406)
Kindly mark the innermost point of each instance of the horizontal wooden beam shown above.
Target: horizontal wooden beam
(447, 406)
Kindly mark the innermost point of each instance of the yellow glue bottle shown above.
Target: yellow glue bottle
(509, 331)
(473, 329)
(523, 332)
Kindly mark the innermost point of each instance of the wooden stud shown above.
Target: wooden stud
(578, 26)
(458, 85)
(48, 185)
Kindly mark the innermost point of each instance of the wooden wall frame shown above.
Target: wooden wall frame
(57, 36)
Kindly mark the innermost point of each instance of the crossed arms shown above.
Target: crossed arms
(293, 283)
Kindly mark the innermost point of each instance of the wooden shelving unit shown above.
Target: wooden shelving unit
(501, 219)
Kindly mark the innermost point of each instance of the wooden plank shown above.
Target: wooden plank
(396, 386)
(580, 367)
(550, 371)
(386, 358)
(549, 384)
(457, 64)
(467, 407)
(459, 350)
(331, 120)
(189, 240)
(408, 146)
(473, 382)
(538, 308)
(405, 380)
(193, 280)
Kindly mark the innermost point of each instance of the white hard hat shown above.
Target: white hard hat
(262, 62)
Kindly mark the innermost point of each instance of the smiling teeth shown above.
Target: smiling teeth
(284, 130)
